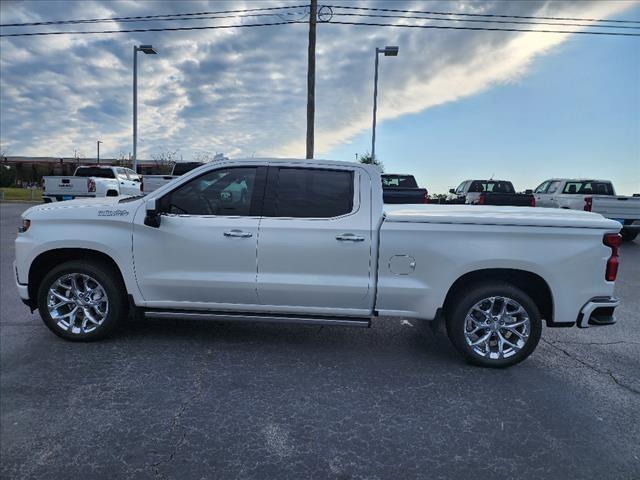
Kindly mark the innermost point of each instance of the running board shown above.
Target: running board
(264, 318)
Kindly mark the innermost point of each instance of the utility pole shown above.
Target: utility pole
(311, 77)
(98, 142)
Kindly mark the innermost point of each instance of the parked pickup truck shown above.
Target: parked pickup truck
(592, 196)
(403, 189)
(92, 181)
(329, 253)
(153, 182)
(489, 192)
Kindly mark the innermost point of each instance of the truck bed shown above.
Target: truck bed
(475, 215)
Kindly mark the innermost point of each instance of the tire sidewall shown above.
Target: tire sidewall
(113, 289)
(463, 303)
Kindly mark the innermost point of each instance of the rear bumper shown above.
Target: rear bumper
(598, 311)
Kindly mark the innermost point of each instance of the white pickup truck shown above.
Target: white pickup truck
(90, 182)
(591, 195)
(311, 242)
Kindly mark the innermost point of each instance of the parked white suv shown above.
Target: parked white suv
(592, 196)
(90, 182)
(309, 241)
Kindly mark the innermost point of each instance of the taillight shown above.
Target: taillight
(482, 199)
(91, 185)
(425, 197)
(588, 203)
(613, 241)
(532, 203)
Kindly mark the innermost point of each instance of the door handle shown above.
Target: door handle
(349, 237)
(238, 234)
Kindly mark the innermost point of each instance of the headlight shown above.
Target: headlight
(25, 225)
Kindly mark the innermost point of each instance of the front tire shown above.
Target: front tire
(82, 300)
(495, 325)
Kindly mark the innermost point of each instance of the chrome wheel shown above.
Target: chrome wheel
(497, 327)
(77, 303)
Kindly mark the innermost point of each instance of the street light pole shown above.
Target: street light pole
(148, 50)
(388, 52)
(135, 108)
(98, 145)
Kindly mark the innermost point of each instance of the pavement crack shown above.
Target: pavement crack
(618, 342)
(608, 373)
(175, 422)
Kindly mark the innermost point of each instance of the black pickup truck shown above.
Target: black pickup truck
(400, 189)
(490, 192)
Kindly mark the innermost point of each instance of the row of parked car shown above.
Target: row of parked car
(576, 194)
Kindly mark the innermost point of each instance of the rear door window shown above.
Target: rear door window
(308, 193)
(95, 172)
(402, 181)
(588, 187)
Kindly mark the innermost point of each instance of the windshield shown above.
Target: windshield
(94, 172)
(493, 186)
(588, 187)
(403, 181)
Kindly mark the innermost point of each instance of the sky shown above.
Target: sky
(452, 105)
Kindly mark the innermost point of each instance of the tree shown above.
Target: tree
(367, 160)
(7, 176)
(164, 160)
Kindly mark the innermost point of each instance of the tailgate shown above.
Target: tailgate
(71, 186)
(617, 208)
(403, 195)
(509, 199)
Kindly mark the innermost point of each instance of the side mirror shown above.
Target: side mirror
(528, 191)
(152, 218)
(451, 190)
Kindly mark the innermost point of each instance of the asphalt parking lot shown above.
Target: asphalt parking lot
(166, 399)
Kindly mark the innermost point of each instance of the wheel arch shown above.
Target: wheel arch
(49, 259)
(531, 283)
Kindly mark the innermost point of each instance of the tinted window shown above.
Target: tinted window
(402, 181)
(227, 191)
(491, 186)
(311, 193)
(94, 172)
(184, 167)
(588, 188)
(460, 188)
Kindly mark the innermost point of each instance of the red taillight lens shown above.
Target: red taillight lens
(425, 198)
(91, 185)
(588, 202)
(533, 201)
(482, 199)
(613, 241)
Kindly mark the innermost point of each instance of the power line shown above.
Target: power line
(163, 29)
(290, 22)
(466, 20)
(167, 16)
(486, 29)
(531, 17)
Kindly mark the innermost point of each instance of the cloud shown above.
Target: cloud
(243, 91)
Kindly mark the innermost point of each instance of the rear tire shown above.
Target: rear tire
(82, 300)
(628, 235)
(495, 325)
